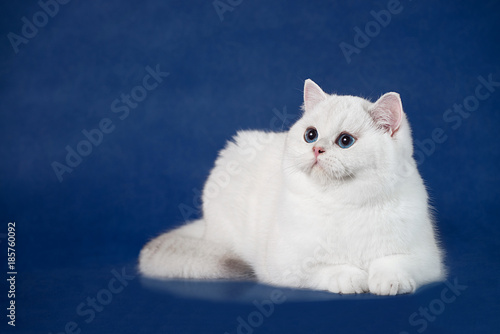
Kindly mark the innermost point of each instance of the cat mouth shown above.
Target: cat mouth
(318, 164)
(324, 169)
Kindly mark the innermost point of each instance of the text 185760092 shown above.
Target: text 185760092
(11, 273)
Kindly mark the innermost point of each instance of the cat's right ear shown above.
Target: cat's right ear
(313, 94)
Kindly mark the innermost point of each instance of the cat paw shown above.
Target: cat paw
(345, 279)
(391, 283)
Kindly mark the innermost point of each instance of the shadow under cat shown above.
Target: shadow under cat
(248, 291)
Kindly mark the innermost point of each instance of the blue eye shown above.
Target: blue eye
(311, 135)
(345, 140)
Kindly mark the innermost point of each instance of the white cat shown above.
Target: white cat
(336, 203)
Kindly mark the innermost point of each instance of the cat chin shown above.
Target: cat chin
(328, 176)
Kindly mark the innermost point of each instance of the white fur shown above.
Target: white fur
(357, 220)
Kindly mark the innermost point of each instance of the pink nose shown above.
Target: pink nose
(318, 150)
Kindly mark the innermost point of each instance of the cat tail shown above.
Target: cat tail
(184, 253)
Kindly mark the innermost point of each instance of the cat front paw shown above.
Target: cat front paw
(388, 283)
(344, 279)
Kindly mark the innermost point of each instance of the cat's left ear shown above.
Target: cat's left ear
(388, 112)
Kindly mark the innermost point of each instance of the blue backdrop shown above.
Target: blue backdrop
(113, 113)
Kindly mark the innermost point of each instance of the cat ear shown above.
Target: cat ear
(388, 112)
(313, 94)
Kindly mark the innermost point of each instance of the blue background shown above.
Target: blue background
(240, 70)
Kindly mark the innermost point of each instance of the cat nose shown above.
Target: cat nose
(318, 150)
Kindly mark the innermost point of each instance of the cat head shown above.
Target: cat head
(345, 138)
